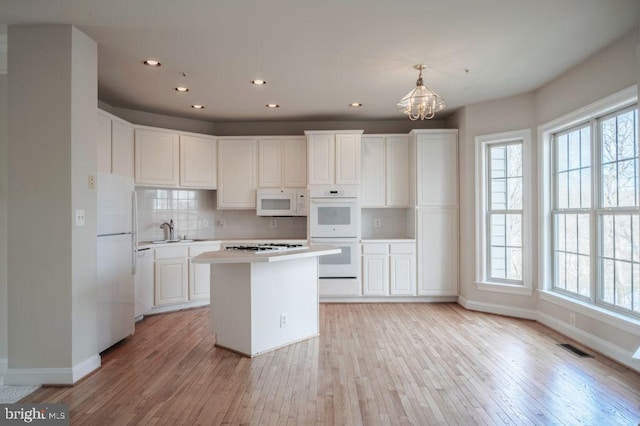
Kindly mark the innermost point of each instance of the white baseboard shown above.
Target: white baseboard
(51, 376)
(498, 309)
(387, 299)
(596, 343)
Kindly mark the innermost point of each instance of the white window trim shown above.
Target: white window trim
(594, 110)
(481, 143)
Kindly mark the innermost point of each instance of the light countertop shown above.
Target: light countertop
(230, 256)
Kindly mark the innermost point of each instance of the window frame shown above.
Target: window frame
(593, 114)
(482, 146)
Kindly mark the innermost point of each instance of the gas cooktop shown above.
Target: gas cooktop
(266, 247)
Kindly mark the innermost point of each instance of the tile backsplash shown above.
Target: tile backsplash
(195, 216)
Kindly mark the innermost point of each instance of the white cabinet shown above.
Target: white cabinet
(114, 145)
(402, 269)
(237, 159)
(435, 167)
(385, 171)
(199, 274)
(282, 162)
(389, 269)
(375, 270)
(171, 275)
(333, 157)
(156, 157)
(437, 235)
(198, 162)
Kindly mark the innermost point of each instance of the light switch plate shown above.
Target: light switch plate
(79, 217)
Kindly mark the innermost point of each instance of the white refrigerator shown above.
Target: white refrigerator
(116, 257)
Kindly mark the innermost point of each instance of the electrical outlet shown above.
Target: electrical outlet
(221, 223)
(283, 320)
(92, 181)
(572, 319)
(377, 223)
(274, 223)
(205, 223)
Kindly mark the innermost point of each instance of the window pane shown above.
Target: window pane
(514, 263)
(498, 161)
(584, 276)
(574, 150)
(623, 284)
(585, 188)
(562, 163)
(572, 245)
(514, 189)
(563, 190)
(607, 281)
(627, 188)
(514, 160)
(585, 147)
(636, 287)
(498, 194)
(609, 185)
(626, 136)
(609, 148)
(619, 259)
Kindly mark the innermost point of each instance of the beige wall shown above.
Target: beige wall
(3, 221)
(51, 265)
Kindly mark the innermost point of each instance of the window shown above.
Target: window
(502, 216)
(594, 204)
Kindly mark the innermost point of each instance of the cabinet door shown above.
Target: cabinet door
(321, 159)
(199, 274)
(237, 173)
(270, 154)
(198, 158)
(437, 170)
(373, 176)
(121, 148)
(403, 274)
(375, 275)
(295, 163)
(156, 158)
(103, 140)
(347, 168)
(437, 251)
(170, 281)
(397, 176)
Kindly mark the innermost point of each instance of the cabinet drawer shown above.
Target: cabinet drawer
(170, 252)
(403, 248)
(374, 248)
(199, 249)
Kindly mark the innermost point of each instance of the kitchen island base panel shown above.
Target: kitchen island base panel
(248, 301)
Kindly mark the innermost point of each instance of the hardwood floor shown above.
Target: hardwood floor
(372, 364)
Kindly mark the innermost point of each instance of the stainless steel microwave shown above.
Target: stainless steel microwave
(281, 202)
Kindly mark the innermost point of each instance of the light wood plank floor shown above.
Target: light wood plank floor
(373, 364)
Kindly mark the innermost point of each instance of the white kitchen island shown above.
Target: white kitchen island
(262, 301)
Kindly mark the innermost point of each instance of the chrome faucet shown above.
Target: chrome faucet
(167, 228)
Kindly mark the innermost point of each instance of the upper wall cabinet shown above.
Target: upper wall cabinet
(157, 157)
(198, 162)
(435, 167)
(282, 162)
(114, 145)
(237, 158)
(385, 171)
(333, 157)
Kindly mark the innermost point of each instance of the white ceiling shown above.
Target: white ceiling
(319, 55)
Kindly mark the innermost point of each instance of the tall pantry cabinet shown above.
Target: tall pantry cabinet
(434, 170)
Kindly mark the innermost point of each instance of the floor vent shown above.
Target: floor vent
(574, 350)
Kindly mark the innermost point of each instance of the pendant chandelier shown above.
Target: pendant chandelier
(421, 102)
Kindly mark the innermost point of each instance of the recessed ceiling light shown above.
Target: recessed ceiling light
(181, 89)
(355, 104)
(151, 63)
(197, 106)
(258, 82)
(272, 106)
